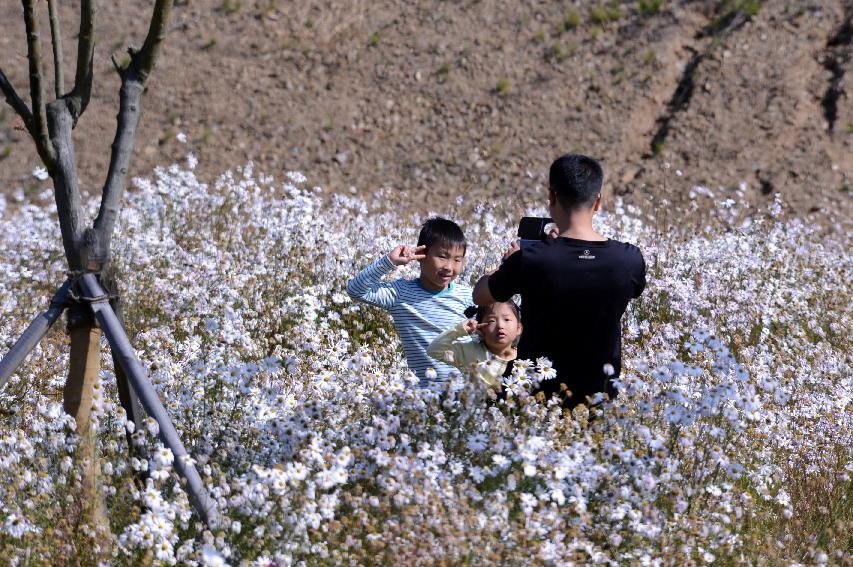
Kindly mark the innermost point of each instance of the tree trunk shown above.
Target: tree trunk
(83, 369)
(80, 387)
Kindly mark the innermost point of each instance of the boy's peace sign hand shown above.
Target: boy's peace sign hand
(402, 254)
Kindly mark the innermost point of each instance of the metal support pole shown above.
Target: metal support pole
(33, 334)
(123, 351)
(127, 397)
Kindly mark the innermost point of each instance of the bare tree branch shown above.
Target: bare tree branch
(143, 61)
(116, 65)
(121, 151)
(65, 190)
(132, 87)
(56, 39)
(78, 99)
(15, 101)
(39, 121)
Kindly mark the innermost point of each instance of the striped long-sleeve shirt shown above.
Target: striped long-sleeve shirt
(419, 315)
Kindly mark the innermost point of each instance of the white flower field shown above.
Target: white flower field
(731, 442)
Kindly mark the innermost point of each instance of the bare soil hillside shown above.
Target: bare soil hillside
(439, 98)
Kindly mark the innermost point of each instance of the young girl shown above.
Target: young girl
(499, 326)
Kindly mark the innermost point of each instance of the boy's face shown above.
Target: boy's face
(441, 266)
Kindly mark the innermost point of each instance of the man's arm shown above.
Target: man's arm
(640, 279)
(482, 294)
(502, 284)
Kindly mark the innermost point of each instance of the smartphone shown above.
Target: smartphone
(532, 229)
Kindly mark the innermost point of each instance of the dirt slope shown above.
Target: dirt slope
(440, 98)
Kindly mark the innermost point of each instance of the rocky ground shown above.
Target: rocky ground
(740, 98)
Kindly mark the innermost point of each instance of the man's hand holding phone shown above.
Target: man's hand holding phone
(534, 229)
(513, 248)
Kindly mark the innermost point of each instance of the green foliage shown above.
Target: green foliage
(598, 15)
(267, 8)
(650, 57)
(657, 148)
(443, 72)
(502, 87)
(571, 19)
(728, 8)
(750, 7)
(555, 52)
(539, 36)
(5, 152)
(231, 6)
(649, 7)
(618, 72)
(207, 45)
(604, 13)
(205, 135)
(374, 39)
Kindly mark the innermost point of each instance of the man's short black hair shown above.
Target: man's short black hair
(576, 180)
(442, 231)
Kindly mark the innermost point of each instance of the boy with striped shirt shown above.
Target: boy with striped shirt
(425, 307)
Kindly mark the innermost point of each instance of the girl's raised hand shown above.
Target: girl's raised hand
(402, 254)
(471, 326)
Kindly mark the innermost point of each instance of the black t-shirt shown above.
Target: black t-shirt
(573, 294)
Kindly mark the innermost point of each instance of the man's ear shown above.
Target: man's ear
(552, 198)
(597, 204)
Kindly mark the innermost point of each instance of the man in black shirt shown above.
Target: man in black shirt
(574, 288)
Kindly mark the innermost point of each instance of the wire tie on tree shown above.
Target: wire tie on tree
(75, 276)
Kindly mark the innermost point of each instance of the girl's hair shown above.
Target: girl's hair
(479, 312)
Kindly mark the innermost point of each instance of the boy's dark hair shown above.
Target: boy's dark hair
(576, 180)
(442, 231)
(480, 311)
